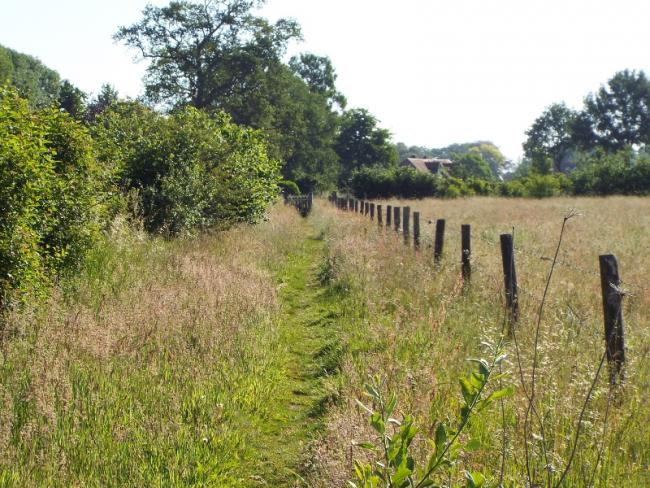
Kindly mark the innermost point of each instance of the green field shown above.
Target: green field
(236, 359)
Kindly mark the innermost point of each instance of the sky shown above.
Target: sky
(433, 72)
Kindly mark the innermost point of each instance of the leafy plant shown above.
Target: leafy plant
(395, 466)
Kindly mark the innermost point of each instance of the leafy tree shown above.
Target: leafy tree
(361, 143)
(106, 97)
(319, 74)
(204, 53)
(471, 165)
(550, 137)
(619, 113)
(72, 100)
(33, 80)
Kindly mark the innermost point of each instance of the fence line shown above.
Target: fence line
(611, 283)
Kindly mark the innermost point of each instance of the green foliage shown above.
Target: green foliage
(289, 187)
(190, 171)
(50, 186)
(72, 100)
(619, 113)
(31, 78)
(471, 165)
(205, 53)
(485, 149)
(624, 173)
(550, 139)
(361, 143)
(395, 465)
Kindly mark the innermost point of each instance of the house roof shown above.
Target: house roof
(431, 165)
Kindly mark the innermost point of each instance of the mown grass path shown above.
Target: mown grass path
(307, 328)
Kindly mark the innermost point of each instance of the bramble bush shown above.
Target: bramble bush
(51, 205)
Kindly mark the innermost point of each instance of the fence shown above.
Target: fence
(399, 219)
(303, 203)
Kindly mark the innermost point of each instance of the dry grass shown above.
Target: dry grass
(410, 322)
(159, 358)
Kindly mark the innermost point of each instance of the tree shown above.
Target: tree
(106, 97)
(204, 53)
(491, 155)
(319, 74)
(33, 80)
(361, 143)
(550, 138)
(471, 165)
(72, 100)
(619, 113)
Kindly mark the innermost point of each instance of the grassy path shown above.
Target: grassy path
(307, 328)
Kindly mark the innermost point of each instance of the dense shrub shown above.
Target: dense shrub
(190, 171)
(374, 182)
(622, 173)
(50, 203)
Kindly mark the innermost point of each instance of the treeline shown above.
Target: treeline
(626, 172)
(601, 149)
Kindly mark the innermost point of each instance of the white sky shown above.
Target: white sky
(434, 72)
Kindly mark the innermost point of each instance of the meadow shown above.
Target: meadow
(237, 359)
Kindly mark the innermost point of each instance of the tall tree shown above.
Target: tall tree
(204, 53)
(619, 113)
(72, 100)
(106, 97)
(33, 80)
(320, 76)
(550, 138)
(361, 143)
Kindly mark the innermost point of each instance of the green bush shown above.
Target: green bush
(190, 171)
(50, 206)
(289, 187)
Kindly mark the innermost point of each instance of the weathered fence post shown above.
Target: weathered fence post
(356, 205)
(613, 314)
(406, 223)
(439, 240)
(510, 276)
(366, 208)
(396, 218)
(372, 211)
(389, 215)
(416, 230)
(466, 252)
(310, 200)
(380, 217)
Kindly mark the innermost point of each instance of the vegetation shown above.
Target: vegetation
(274, 350)
(50, 196)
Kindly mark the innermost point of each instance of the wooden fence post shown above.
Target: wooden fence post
(366, 208)
(510, 276)
(380, 217)
(406, 223)
(416, 230)
(356, 205)
(613, 314)
(396, 218)
(439, 240)
(334, 198)
(466, 252)
(389, 215)
(372, 211)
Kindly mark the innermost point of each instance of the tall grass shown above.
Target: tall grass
(411, 323)
(158, 365)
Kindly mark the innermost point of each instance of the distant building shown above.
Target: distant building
(434, 166)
